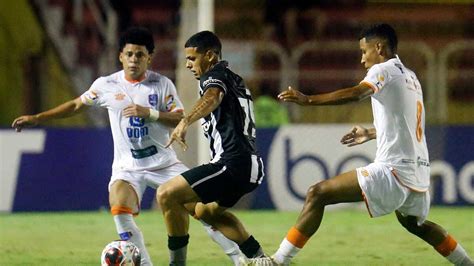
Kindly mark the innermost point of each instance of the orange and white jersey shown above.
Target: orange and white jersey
(399, 119)
(139, 144)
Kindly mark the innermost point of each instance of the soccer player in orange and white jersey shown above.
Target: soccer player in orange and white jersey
(398, 180)
(142, 105)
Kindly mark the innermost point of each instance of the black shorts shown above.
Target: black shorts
(226, 182)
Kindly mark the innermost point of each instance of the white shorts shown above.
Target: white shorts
(142, 179)
(383, 193)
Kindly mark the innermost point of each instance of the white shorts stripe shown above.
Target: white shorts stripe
(254, 172)
(209, 177)
(261, 172)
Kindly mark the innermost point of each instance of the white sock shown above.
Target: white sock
(124, 224)
(230, 247)
(178, 256)
(459, 256)
(285, 252)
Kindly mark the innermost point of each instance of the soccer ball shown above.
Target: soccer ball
(120, 253)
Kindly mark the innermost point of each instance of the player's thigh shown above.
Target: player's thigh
(123, 194)
(341, 188)
(177, 189)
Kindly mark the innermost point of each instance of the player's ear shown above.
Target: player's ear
(380, 48)
(120, 57)
(212, 56)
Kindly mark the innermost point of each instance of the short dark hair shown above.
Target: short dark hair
(204, 41)
(383, 31)
(138, 36)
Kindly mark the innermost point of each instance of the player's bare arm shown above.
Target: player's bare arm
(66, 109)
(342, 96)
(358, 135)
(204, 106)
(170, 119)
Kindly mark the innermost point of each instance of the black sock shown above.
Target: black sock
(177, 242)
(250, 247)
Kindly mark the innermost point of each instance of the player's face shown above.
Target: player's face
(370, 52)
(135, 60)
(198, 63)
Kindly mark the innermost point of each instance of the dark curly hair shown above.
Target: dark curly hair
(138, 36)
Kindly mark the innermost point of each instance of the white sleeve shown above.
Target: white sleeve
(93, 95)
(170, 98)
(376, 78)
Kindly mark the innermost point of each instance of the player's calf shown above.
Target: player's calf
(128, 230)
(438, 238)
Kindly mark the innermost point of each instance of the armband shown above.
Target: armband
(154, 115)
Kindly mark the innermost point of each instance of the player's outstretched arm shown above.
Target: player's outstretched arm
(342, 96)
(203, 107)
(66, 109)
(358, 135)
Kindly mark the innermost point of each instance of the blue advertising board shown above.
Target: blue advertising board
(69, 169)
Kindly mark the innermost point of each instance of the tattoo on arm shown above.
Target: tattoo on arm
(205, 105)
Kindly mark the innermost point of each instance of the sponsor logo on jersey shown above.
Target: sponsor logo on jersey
(205, 126)
(136, 121)
(153, 99)
(137, 129)
(211, 80)
(119, 96)
(170, 103)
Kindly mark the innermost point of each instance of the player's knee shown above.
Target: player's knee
(122, 194)
(203, 213)
(191, 208)
(410, 223)
(317, 194)
(164, 195)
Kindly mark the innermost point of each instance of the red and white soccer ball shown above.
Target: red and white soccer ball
(120, 253)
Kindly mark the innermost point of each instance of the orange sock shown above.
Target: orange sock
(116, 210)
(447, 246)
(296, 238)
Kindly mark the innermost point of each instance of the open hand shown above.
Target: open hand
(295, 96)
(358, 135)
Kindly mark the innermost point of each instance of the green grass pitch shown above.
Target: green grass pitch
(346, 237)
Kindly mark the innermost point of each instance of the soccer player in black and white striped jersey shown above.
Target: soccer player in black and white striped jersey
(225, 109)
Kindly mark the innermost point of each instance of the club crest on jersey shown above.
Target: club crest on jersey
(170, 103)
(153, 99)
(119, 96)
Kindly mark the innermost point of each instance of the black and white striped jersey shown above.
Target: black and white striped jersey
(230, 128)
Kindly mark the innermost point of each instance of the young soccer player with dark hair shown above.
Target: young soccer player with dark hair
(143, 105)
(225, 110)
(399, 178)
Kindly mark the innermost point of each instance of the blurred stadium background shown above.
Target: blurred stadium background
(52, 50)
